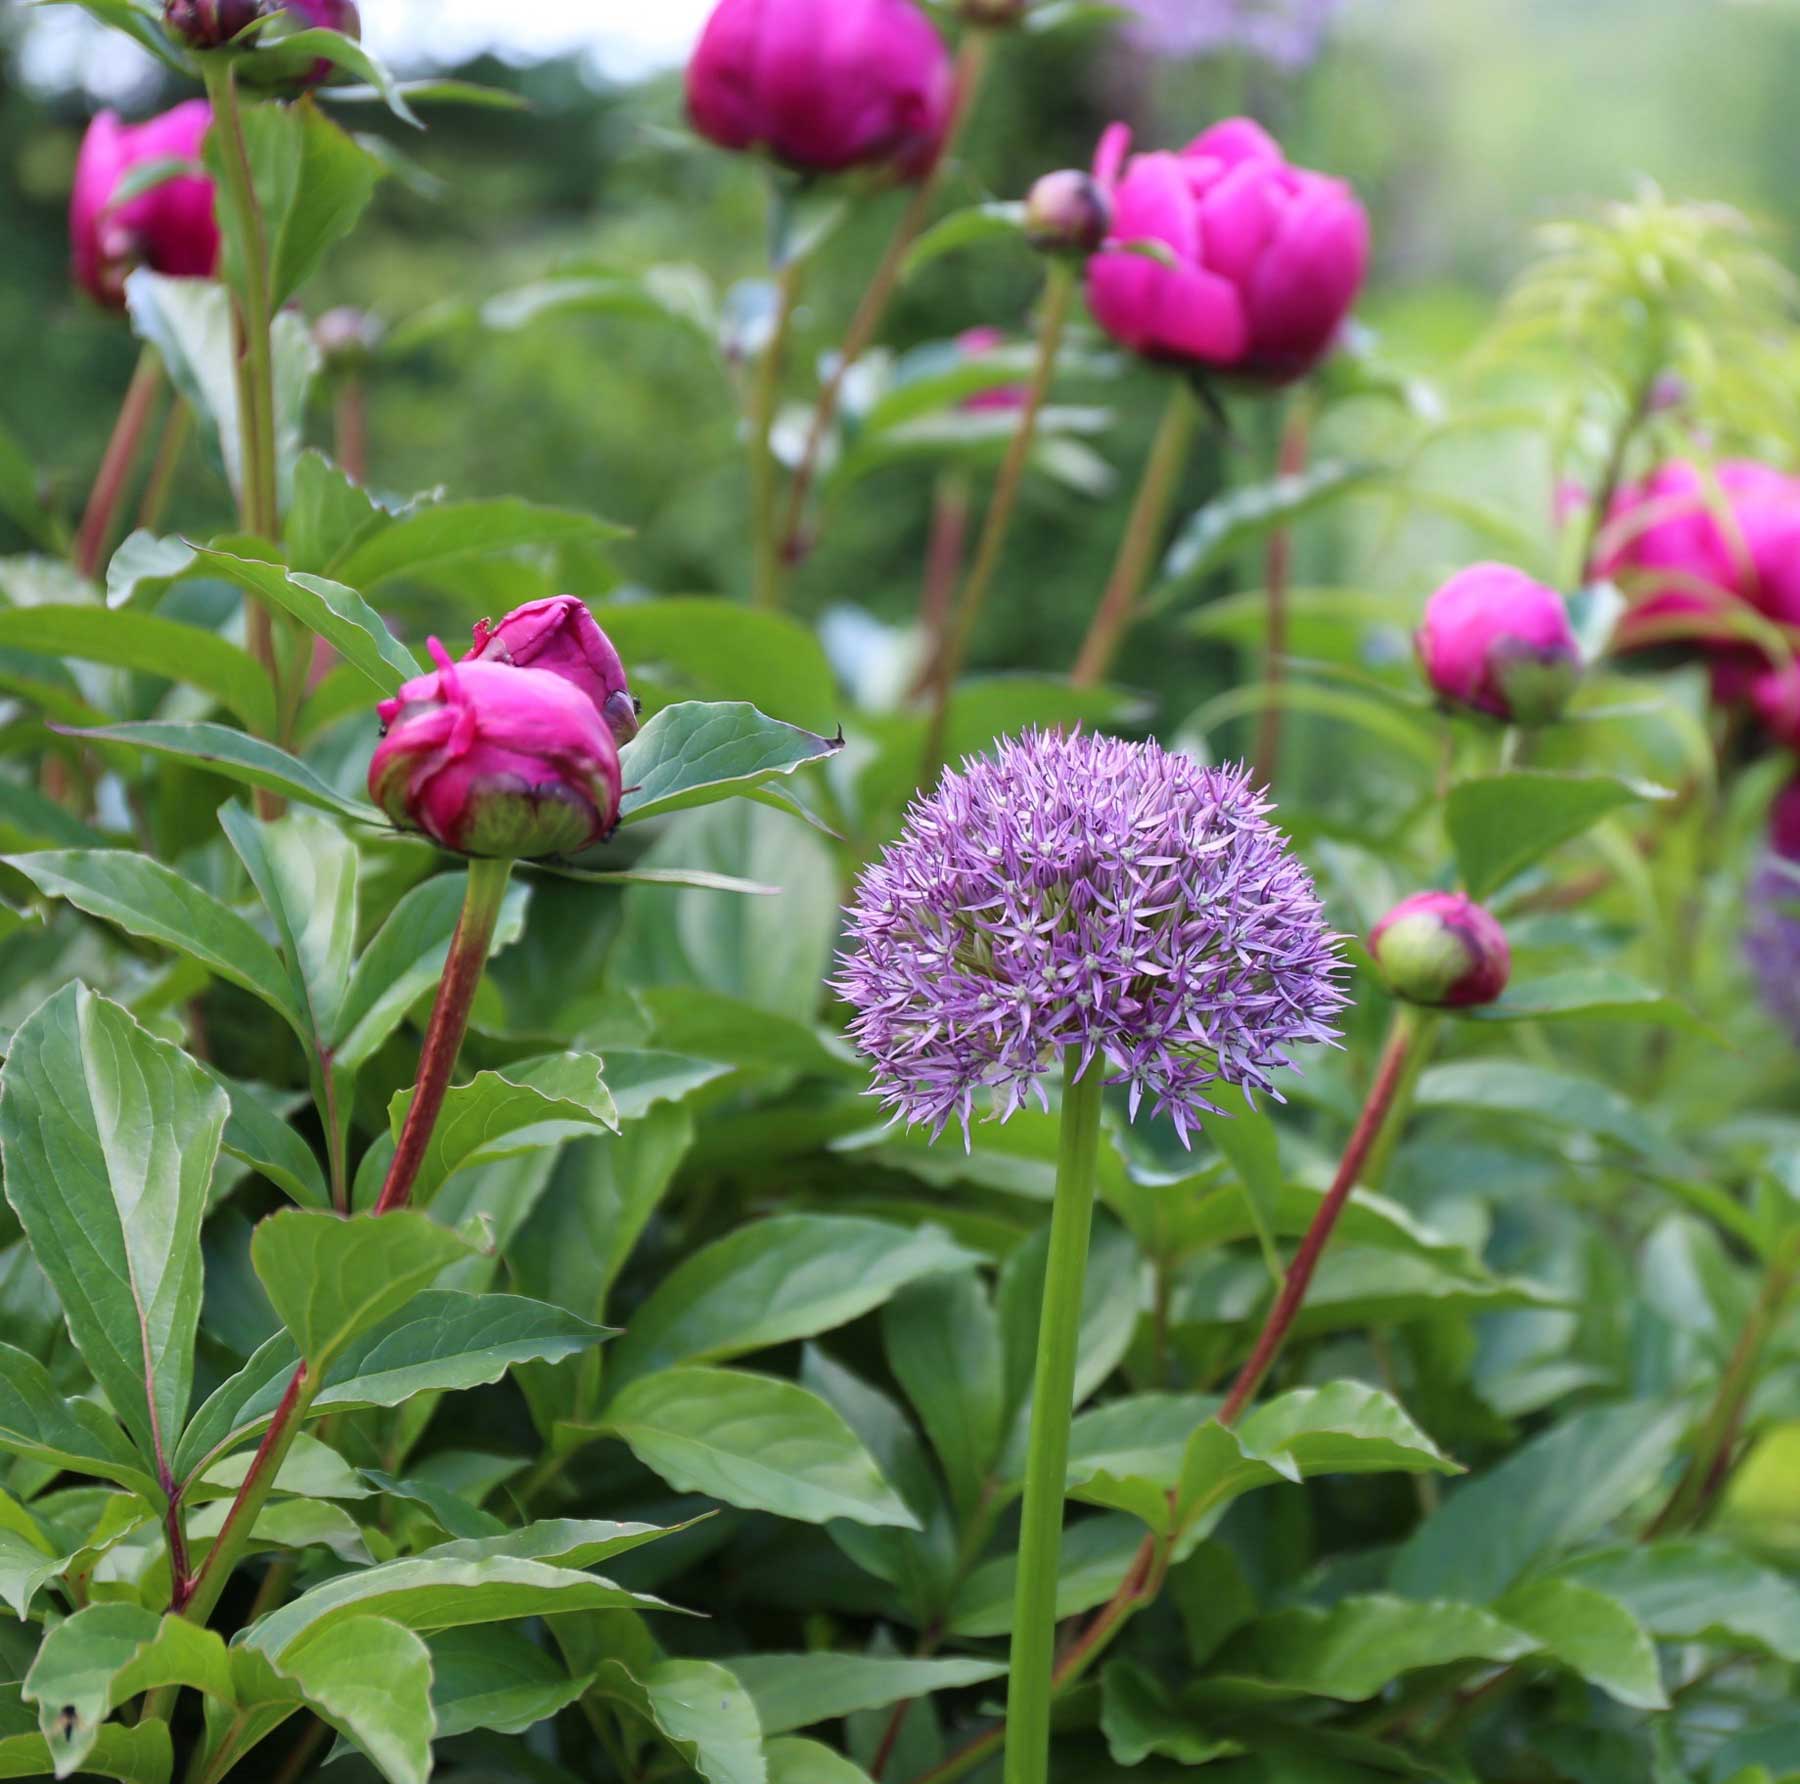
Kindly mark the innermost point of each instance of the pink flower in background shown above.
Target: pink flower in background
(824, 85)
(170, 228)
(1496, 640)
(560, 634)
(1772, 927)
(972, 343)
(488, 759)
(1268, 258)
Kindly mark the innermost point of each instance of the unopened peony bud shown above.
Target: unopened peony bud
(340, 16)
(205, 24)
(1495, 640)
(492, 760)
(346, 338)
(560, 635)
(1441, 949)
(1067, 212)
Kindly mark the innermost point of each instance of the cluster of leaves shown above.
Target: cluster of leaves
(675, 1327)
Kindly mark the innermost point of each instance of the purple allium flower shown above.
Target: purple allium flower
(1772, 905)
(1288, 34)
(1084, 892)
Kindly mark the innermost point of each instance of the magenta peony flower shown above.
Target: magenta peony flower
(559, 634)
(1495, 640)
(1774, 696)
(488, 759)
(1080, 892)
(1443, 950)
(1269, 257)
(170, 228)
(824, 85)
(1772, 928)
(208, 23)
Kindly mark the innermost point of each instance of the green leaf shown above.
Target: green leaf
(109, 1137)
(964, 229)
(569, 1542)
(150, 645)
(337, 614)
(944, 1345)
(1555, 1491)
(370, 1678)
(696, 753)
(793, 1761)
(38, 1423)
(137, 1755)
(145, 567)
(426, 1595)
(773, 1281)
(697, 1708)
(496, 1678)
(493, 1116)
(1139, 1720)
(146, 899)
(442, 1340)
(1698, 1590)
(1563, 1098)
(1591, 1634)
(1097, 1553)
(292, 54)
(258, 1136)
(239, 757)
(1360, 1645)
(430, 538)
(1500, 824)
(20, 500)
(330, 1278)
(103, 1656)
(798, 1690)
(1246, 1138)
(337, 178)
(329, 513)
(1591, 994)
(754, 1442)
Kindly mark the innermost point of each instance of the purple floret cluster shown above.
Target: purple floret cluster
(1082, 892)
(1772, 939)
(1285, 33)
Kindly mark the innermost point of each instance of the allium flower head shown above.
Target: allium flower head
(1077, 891)
(1772, 915)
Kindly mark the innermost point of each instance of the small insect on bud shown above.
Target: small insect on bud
(1067, 212)
(1443, 950)
(205, 24)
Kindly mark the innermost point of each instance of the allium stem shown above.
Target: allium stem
(1059, 291)
(1029, 1687)
(765, 394)
(1290, 461)
(1403, 1037)
(449, 1023)
(115, 465)
(1143, 532)
(971, 69)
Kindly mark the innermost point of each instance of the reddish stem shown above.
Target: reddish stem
(115, 466)
(1290, 461)
(350, 416)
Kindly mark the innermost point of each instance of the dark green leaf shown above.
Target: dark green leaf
(696, 753)
(1500, 824)
(963, 229)
(1591, 1634)
(38, 1423)
(697, 1708)
(429, 538)
(799, 1690)
(496, 1678)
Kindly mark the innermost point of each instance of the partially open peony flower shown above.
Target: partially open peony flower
(560, 634)
(1081, 892)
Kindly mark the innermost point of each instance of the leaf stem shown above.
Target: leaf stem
(765, 391)
(1156, 490)
(1059, 292)
(104, 498)
(1030, 1686)
(449, 1023)
(1290, 461)
(971, 70)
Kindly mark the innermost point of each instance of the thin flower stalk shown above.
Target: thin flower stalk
(108, 494)
(1290, 461)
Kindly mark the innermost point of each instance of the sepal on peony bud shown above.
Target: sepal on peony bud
(1067, 212)
(489, 759)
(206, 24)
(1443, 950)
(1495, 640)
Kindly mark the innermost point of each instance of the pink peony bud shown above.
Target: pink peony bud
(560, 635)
(824, 85)
(1497, 641)
(340, 16)
(205, 24)
(170, 228)
(1067, 212)
(1269, 257)
(488, 759)
(1441, 949)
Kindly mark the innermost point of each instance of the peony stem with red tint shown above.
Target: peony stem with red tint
(1143, 533)
(1059, 292)
(765, 394)
(108, 493)
(1290, 461)
(971, 70)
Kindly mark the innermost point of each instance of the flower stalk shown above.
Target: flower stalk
(1030, 1685)
(1143, 531)
(1290, 461)
(1059, 292)
(108, 493)
(765, 395)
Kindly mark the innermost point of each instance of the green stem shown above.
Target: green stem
(115, 465)
(1613, 473)
(1143, 531)
(1059, 292)
(971, 69)
(765, 392)
(1030, 1687)
(166, 463)
(1290, 461)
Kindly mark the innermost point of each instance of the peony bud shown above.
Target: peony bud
(205, 24)
(1441, 949)
(1495, 640)
(170, 228)
(340, 16)
(488, 759)
(559, 635)
(346, 338)
(1067, 212)
(824, 85)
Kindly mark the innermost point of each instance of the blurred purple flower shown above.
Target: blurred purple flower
(1088, 893)
(1772, 907)
(1285, 33)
